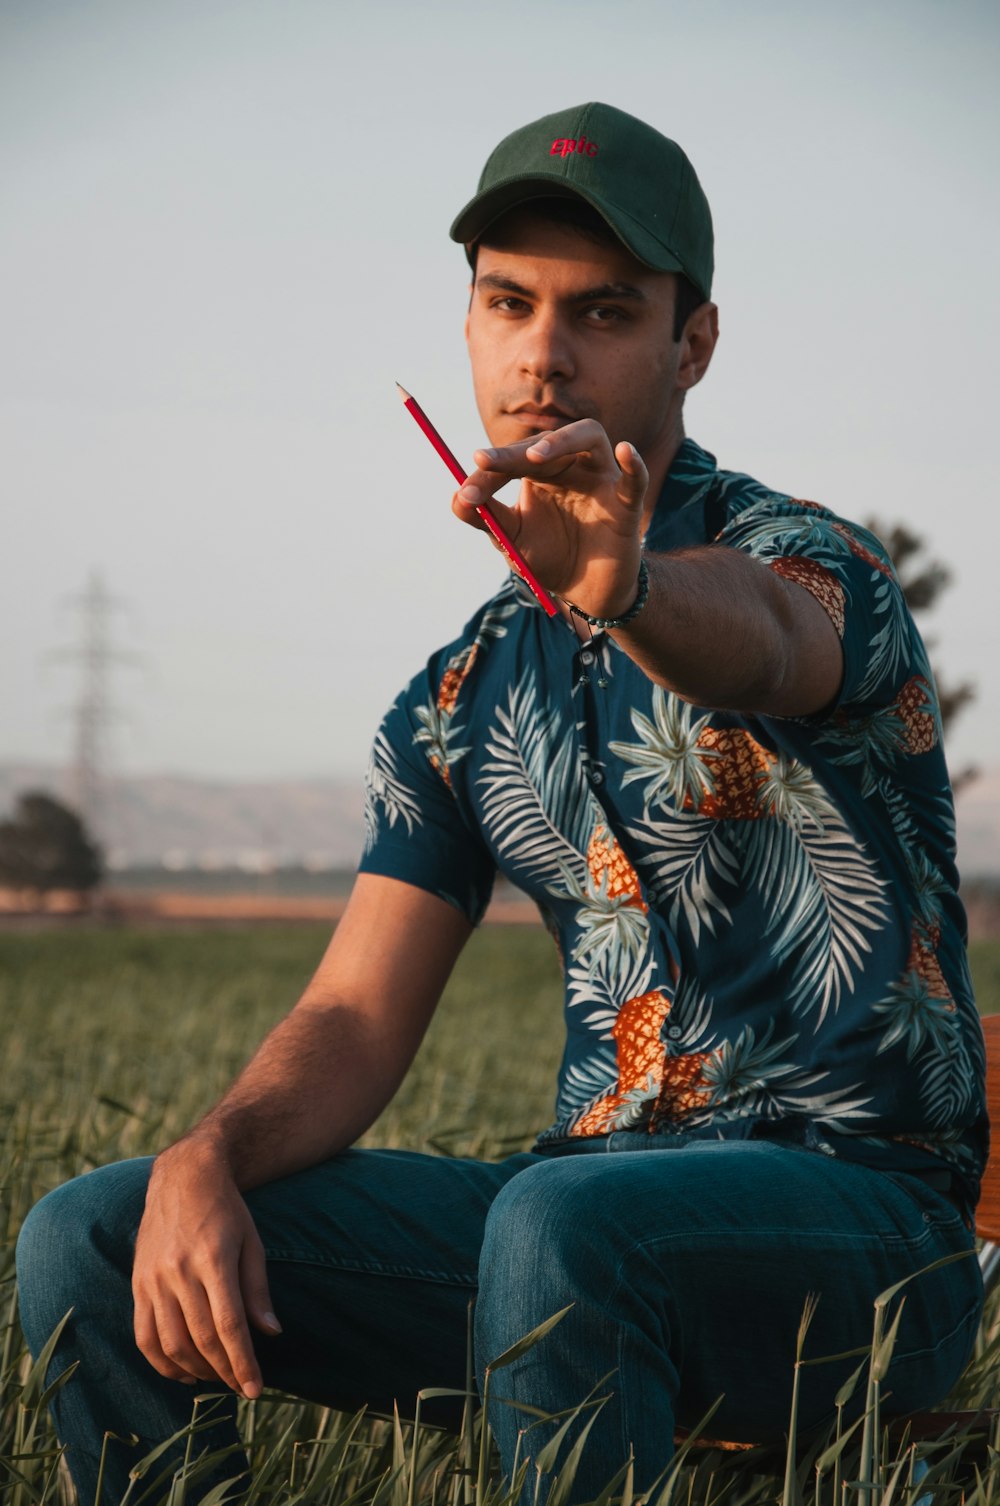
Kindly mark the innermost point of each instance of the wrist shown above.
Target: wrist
(199, 1153)
(623, 619)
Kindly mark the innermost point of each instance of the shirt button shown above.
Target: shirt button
(596, 777)
(587, 657)
(675, 1032)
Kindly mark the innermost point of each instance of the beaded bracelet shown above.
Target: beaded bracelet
(642, 597)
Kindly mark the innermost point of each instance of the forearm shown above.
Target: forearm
(316, 1083)
(324, 1074)
(722, 630)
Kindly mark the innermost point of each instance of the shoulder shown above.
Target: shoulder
(487, 630)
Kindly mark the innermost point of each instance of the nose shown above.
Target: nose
(547, 350)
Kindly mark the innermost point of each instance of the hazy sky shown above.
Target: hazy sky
(225, 235)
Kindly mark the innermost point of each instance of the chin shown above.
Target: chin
(506, 430)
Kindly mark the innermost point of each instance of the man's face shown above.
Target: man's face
(561, 327)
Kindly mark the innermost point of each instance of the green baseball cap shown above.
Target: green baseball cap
(639, 182)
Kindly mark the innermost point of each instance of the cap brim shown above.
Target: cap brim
(481, 212)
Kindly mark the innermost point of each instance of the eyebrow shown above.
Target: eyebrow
(606, 290)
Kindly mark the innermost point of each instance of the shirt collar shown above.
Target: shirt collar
(689, 470)
(679, 518)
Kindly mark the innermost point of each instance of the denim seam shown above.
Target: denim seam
(643, 1246)
(964, 1322)
(371, 1268)
(728, 1233)
(627, 1443)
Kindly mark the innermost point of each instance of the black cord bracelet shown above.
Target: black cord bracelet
(642, 596)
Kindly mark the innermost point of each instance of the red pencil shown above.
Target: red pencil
(514, 557)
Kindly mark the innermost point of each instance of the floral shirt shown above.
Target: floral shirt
(757, 917)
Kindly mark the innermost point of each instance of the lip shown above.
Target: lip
(546, 417)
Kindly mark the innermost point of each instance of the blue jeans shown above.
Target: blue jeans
(687, 1267)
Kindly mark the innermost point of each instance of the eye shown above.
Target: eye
(509, 304)
(605, 313)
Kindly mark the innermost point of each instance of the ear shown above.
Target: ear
(698, 342)
(468, 312)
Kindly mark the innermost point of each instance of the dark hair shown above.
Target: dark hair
(576, 214)
(686, 300)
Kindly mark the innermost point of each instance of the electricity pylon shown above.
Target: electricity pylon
(93, 711)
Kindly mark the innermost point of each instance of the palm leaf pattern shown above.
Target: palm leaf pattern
(691, 1017)
(667, 759)
(790, 792)
(746, 1066)
(687, 858)
(762, 1079)
(778, 530)
(870, 743)
(537, 808)
(890, 648)
(603, 982)
(609, 926)
(586, 1081)
(384, 787)
(436, 735)
(929, 887)
(742, 492)
(929, 1029)
(823, 898)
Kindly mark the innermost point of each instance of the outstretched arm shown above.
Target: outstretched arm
(318, 1081)
(719, 628)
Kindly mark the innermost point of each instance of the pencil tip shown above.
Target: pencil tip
(403, 392)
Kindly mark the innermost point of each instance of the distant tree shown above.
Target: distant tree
(923, 580)
(45, 846)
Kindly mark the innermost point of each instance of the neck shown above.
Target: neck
(658, 464)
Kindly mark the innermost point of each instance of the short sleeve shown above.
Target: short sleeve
(847, 570)
(414, 829)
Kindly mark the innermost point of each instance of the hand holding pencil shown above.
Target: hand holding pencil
(516, 561)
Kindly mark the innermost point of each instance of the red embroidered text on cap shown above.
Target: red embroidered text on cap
(563, 146)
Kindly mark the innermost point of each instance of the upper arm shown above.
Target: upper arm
(813, 662)
(391, 956)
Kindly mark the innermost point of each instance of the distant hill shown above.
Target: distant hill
(184, 822)
(214, 823)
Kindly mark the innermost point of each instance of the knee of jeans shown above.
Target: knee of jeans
(545, 1243)
(76, 1243)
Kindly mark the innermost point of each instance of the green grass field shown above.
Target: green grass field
(115, 1040)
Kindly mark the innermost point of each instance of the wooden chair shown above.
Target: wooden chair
(924, 1426)
(988, 1212)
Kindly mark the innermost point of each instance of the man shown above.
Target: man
(719, 772)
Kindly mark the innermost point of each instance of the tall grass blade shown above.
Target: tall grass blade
(34, 1386)
(564, 1481)
(791, 1494)
(668, 1480)
(528, 1341)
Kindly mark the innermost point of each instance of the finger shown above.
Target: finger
(147, 1340)
(168, 1345)
(466, 509)
(472, 496)
(229, 1345)
(254, 1287)
(585, 439)
(634, 475)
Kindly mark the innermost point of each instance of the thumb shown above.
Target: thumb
(253, 1285)
(634, 477)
